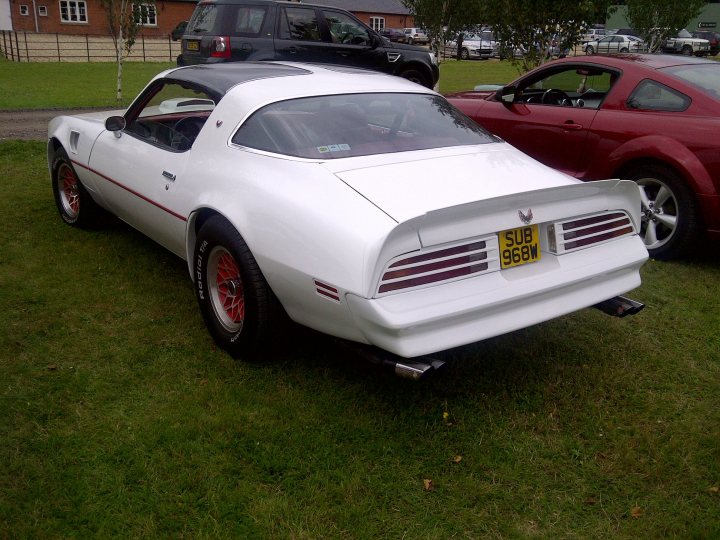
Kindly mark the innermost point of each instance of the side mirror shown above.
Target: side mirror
(506, 94)
(115, 123)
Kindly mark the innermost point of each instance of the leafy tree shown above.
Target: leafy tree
(124, 18)
(527, 29)
(445, 19)
(657, 20)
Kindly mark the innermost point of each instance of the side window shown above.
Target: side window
(250, 20)
(299, 24)
(576, 87)
(653, 96)
(345, 29)
(172, 116)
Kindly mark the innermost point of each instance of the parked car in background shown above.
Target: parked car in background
(251, 30)
(474, 46)
(394, 34)
(713, 40)
(615, 44)
(653, 119)
(359, 204)
(416, 35)
(685, 43)
(592, 34)
(625, 32)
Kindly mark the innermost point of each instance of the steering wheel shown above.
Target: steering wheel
(557, 97)
(185, 131)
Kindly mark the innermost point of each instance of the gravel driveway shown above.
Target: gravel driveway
(31, 125)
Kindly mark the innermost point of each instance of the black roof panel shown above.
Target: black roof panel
(219, 78)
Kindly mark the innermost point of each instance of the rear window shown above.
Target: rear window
(706, 77)
(203, 19)
(331, 127)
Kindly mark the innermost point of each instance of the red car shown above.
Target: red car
(654, 119)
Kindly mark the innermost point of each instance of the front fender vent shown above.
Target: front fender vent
(440, 265)
(579, 233)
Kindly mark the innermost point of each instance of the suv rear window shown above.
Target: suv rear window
(203, 19)
(331, 127)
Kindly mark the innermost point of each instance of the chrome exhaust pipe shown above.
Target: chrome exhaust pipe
(620, 306)
(414, 370)
(407, 368)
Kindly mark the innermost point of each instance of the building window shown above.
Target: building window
(145, 14)
(24, 10)
(377, 23)
(42, 11)
(73, 11)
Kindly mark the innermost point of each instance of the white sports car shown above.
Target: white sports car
(361, 204)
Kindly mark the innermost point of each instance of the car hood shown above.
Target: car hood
(405, 47)
(413, 183)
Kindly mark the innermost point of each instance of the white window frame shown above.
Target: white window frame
(377, 23)
(150, 15)
(24, 9)
(42, 11)
(74, 11)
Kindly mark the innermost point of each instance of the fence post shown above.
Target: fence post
(87, 47)
(143, 46)
(170, 46)
(27, 53)
(17, 48)
(57, 42)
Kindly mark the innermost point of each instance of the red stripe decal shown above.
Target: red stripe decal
(326, 287)
(329, 295)
(143, 197)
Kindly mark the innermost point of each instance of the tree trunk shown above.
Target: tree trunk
(120, 45)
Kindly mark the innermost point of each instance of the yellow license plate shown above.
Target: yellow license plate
(519, 246)
(192, 45)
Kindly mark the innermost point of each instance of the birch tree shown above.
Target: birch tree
(124, 19)
(657, 20)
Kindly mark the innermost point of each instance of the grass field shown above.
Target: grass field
(121, 419)
(25, 85)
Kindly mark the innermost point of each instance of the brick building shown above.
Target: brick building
(88, 17)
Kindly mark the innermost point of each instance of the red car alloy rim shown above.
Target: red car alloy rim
(226, 289)
(69, 190)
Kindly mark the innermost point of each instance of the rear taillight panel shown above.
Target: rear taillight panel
(220, 47)
(469, 258)
(440, 264)
(586, 231)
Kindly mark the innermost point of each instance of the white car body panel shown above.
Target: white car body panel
(341, 221)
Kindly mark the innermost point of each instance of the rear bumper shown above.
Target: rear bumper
(438, 318)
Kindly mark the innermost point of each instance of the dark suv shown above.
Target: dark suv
(236, 30)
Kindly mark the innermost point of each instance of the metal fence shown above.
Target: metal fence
(33, 47)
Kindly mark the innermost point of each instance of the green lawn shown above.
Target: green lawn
(53, 85)
(66, 85)
(120, 418)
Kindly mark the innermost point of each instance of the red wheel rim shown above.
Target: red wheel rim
(69, 190)
(226, 289)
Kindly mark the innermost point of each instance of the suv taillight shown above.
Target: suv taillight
(220, 47)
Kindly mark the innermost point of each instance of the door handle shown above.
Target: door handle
(170, 176)
(571, 126)
(292, 50)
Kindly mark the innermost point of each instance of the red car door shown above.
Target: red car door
(553, 134)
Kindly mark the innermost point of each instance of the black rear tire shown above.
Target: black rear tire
(237, 305)
(670, 223)
(74, 203)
